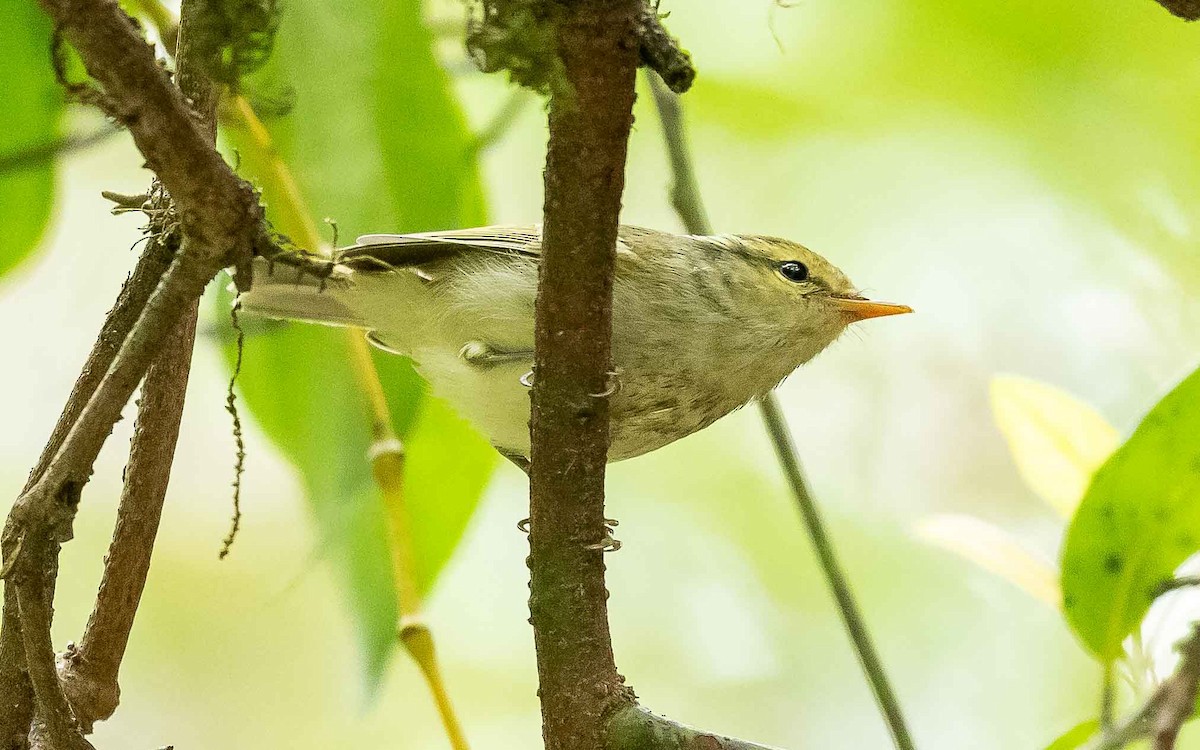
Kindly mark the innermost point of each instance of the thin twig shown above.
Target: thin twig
(856, 626)
(239, 461)
(1167, 709)
(495, 128)
(685, 196)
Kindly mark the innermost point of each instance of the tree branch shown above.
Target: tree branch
(218, 210)
(221, 222)
(585, 174)
(635, 728)
(54, 726)
(662, 53)
(1166, 711)
(17, 713)
(89, 671)
(685, 197)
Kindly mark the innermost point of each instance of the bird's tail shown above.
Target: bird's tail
(287, 293)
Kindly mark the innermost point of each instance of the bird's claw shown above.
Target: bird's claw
(523, 525)
(608, 543)
(612, 386)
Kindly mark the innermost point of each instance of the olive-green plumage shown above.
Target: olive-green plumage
(701, 325)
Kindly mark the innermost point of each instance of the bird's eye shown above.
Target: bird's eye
(794, 270)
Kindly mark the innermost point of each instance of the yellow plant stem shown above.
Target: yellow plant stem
(387, 451)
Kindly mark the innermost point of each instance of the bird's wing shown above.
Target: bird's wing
(384, 251)
(381, 252)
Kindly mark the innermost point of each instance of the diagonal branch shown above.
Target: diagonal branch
(635, 728)
(89, 671)
(218, 210)
(1170, 706)
(221, 222)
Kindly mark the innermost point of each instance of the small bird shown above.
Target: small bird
(701, 324)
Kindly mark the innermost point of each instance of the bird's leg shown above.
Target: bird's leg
(482, 355)
(607, 544)
(522, 463)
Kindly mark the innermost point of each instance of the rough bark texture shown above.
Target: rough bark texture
(216, 207)
(585, 167)
(16, 714)
(89, 670)
(221, 221)
(635, 728)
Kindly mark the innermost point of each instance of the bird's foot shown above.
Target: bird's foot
(612, 386)
(608, 543)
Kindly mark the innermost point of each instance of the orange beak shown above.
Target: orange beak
(859, 308)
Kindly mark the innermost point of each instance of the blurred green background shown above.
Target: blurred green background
(1023, 174)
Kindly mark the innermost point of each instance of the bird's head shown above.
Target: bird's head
(798, 292)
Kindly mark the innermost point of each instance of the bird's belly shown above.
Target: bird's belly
(649, 410)
(491, 398)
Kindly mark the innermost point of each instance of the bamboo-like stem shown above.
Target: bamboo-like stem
(686, 199)
(386, 452)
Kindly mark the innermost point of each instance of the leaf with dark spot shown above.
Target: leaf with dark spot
(1149, 486)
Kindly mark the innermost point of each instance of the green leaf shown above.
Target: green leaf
(377, 142)
(1139, 520)
(427, 157)
(1076, 736)
(995, 550)
(1057, 441)
(29, 119)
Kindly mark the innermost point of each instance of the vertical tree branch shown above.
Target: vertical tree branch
(89, 671)
(585, 174)
(685, 197)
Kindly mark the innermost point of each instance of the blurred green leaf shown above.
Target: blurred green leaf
(377, 142)
(29, 119)
(1090, 94)
(1056, 440)
(1076, 736)
(1138, 521)
(424, 142)
(995, 550)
